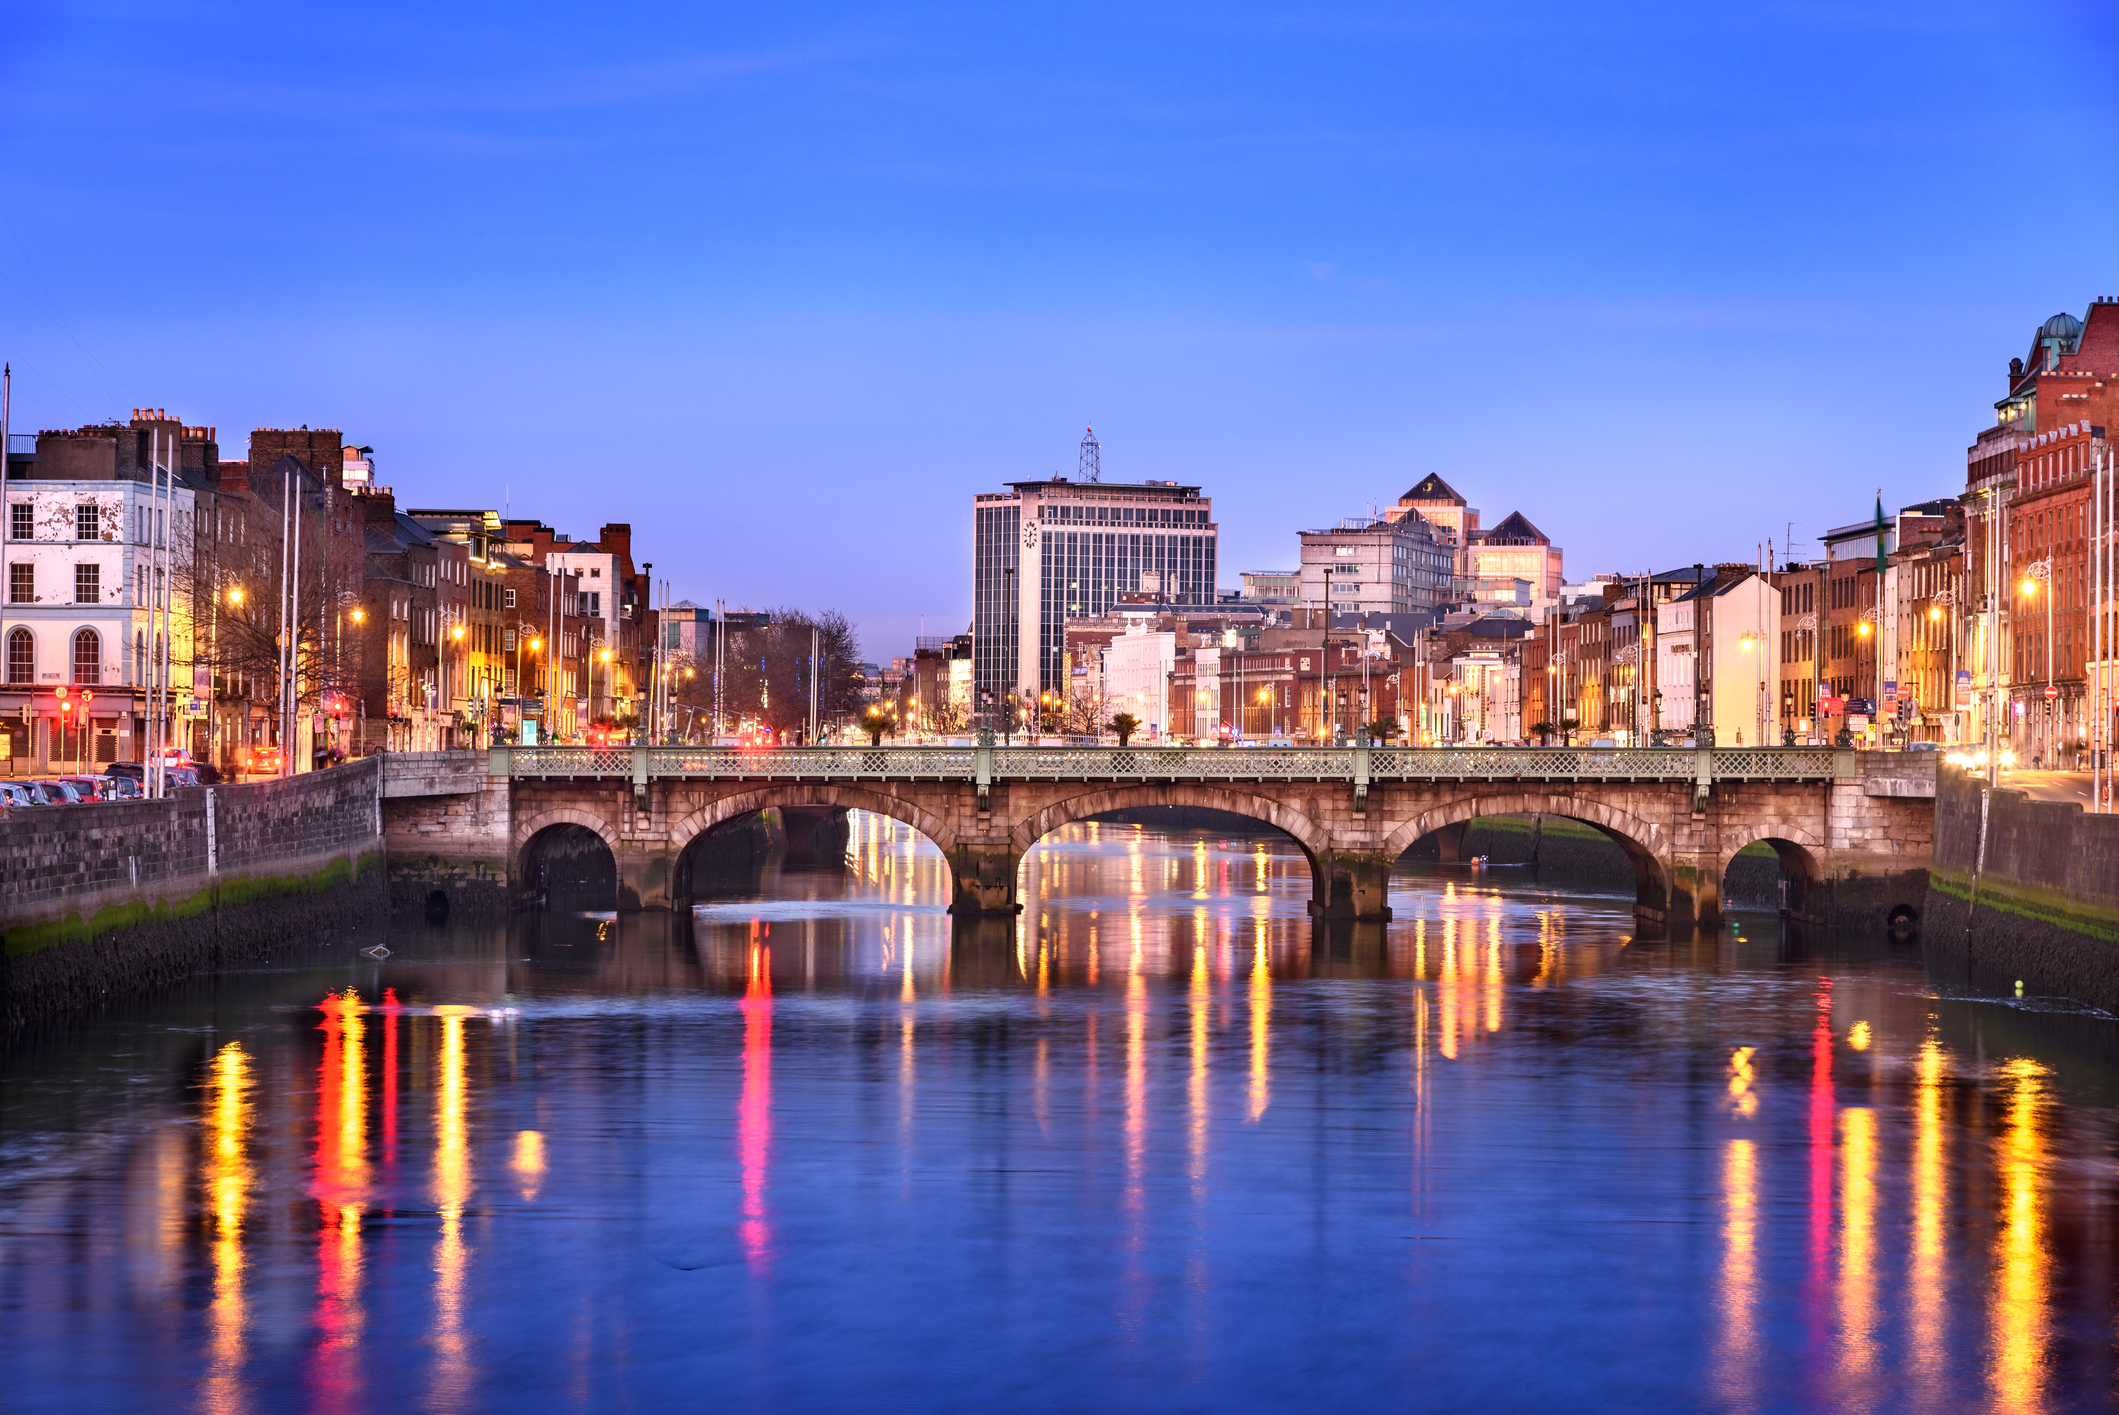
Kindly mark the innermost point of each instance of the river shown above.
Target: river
(1158, 1145)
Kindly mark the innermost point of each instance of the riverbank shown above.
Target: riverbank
(2024, 891)
(102, 901)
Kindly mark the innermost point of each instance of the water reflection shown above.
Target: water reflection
(227, 1174)
(1162, 1140)
(2019, 1339)
(755, 1127)
(1737, 1373)
(452, 1373)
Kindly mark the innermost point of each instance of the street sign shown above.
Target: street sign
(1964, 688)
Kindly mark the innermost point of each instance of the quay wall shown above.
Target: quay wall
(117, 897)
(447, 833)
(2041, 909)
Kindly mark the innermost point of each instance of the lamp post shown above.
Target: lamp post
(1865, 628)
(1808, 624)
(1749, 644)
(603, 654)
(2037, 577)
(448, 685)
(1946, 598)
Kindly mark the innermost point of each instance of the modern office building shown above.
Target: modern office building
(1049, 550)
(1365, 566)
(1517, 550)
(1441, 506)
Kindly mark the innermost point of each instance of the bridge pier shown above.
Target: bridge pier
(982, 881)
(1357, 886)
(646, 872)
(1695, 891)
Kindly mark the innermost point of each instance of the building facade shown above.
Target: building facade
(1047, 551)
(1365, 566)
(84, 532)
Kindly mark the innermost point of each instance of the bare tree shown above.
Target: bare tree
(769, 671)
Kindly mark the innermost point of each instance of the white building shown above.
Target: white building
(76, 615)
(1718, 659)
(1137, 669)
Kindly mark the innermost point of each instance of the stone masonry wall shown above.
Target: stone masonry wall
(2047, 900)
(111, 898)
(456, 845)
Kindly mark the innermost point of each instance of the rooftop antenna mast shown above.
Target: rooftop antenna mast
(1092, 463)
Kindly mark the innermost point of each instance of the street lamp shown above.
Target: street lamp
(608, 684)
(1947, 599)
(2037, 576)
(456, 637)
(1865, 627)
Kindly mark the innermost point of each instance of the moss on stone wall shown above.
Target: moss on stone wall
(55, 969)
(225, 893)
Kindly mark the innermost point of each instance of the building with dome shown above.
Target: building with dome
(2026, 492)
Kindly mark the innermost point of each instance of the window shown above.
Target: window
(507, 599)
(592, 604)
(21, 657)
(507, 644)
(22, 521)
(595, 574)
(88, 584)
(88, 657)
(88, 522)
(21, 584)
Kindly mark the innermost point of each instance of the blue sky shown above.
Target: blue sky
(783, 288)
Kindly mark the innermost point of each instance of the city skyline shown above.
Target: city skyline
(1568, 262)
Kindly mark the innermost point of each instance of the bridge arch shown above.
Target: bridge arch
(529, 827)
(687, 831)
(1647, 844)
(1314, 842)
(537, 834)
(1800, 853)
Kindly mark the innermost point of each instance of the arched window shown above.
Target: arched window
(21, 657)
(88, 657)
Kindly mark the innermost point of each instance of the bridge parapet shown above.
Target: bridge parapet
(1152, 763)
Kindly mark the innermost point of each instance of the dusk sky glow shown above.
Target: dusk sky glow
(784, 289)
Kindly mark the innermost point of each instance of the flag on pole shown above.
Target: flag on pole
(1879, 530)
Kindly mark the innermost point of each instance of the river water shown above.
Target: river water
(1159, 1145)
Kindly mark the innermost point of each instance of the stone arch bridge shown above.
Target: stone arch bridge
(1854, 830)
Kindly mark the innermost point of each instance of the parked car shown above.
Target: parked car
(58, 793)
(15, 794)
(91, 788)
(183, 776)
(122, 788)
(131, 771)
